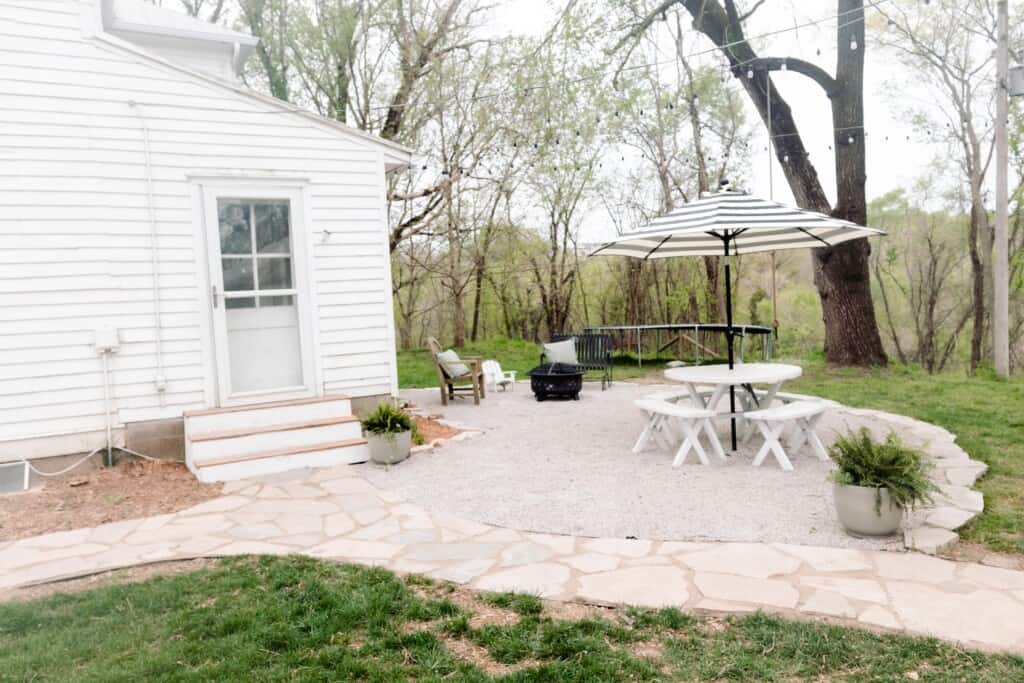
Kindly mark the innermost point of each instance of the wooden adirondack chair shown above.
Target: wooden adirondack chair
(449, 382)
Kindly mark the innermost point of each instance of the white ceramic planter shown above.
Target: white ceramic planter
(855, 506)
(389, 449)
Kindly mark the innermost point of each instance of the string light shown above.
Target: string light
(750, 72)
(853, 42)
(783, 67)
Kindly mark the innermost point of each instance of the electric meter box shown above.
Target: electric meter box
(106, 339)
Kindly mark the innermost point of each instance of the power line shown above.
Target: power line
(292, 108)
(873, 4)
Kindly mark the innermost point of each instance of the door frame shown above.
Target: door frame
(205, 192)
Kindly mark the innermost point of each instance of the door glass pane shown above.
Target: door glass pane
(235, 233)
(238, 274)
(272, 234)
(288, 300)
(240, 302)
(275, 273)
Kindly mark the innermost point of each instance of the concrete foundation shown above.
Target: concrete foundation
(164, 439)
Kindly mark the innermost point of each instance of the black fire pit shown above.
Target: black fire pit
(556, 380)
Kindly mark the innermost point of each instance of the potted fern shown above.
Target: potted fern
(876, 481)
(388, 432)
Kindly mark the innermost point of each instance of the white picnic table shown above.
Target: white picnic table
(744, 375)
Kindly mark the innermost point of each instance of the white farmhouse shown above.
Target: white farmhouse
(185, 265)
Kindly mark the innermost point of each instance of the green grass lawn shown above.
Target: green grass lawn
(416, 368)
(263, 619)
(986, 414)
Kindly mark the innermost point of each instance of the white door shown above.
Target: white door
(259, 295)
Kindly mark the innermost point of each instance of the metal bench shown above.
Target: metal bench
(593, 352)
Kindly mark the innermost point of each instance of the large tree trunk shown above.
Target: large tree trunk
(841, 273)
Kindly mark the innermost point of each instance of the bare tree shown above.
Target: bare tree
(268, 21)
(946, 49)
(212, 11)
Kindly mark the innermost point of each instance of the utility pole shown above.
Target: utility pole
(1000, 266)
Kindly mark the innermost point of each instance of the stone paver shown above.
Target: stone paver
(830, 604)
(755, 560)
(547, 580)
(865, 590)
(336, 514)
(763, 592)
(639, 586)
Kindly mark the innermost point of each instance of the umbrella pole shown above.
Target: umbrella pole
(728, 341)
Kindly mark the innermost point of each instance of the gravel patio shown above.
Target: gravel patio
(566, 467)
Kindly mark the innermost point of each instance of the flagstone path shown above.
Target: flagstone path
(338, 515)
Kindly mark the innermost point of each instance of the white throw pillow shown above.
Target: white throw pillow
(561, 352)
(452, 367)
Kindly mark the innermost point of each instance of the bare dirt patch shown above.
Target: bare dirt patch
(468, 651)
(965, 551)
(431, 429)
(480, 613)
(574, 611)
(117, 576)
(126, 491)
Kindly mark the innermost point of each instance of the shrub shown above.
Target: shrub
(889, 464)
(387, 419)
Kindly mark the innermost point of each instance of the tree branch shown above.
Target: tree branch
(812, 71)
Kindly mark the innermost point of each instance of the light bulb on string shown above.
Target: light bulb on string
(784, 67)
(750, 73)
(853, 42)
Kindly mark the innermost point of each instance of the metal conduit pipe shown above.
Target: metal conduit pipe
(154, 246)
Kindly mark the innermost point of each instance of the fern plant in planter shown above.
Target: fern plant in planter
(876, 481)
(388, 432)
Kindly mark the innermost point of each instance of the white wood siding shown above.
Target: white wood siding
(74, 234)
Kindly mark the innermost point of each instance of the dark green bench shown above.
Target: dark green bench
(593, 352)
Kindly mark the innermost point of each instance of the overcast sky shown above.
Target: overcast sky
(892, 160)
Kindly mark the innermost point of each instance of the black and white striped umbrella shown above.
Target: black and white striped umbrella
(730, 223)
(735, 220)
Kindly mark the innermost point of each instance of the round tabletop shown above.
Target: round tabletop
(742, 373)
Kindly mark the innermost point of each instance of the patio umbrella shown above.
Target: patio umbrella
(729, 223)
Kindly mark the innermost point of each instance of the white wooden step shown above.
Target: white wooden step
(240, 442)
(262, 414)
(330, 454)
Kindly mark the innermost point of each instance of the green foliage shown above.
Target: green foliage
(292, 618)
(890, 464)
(416, 366)
(756, 298)
(417, 437)
(520, 603)
(387, 419)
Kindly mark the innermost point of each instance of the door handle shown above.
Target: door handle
(213, 294)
